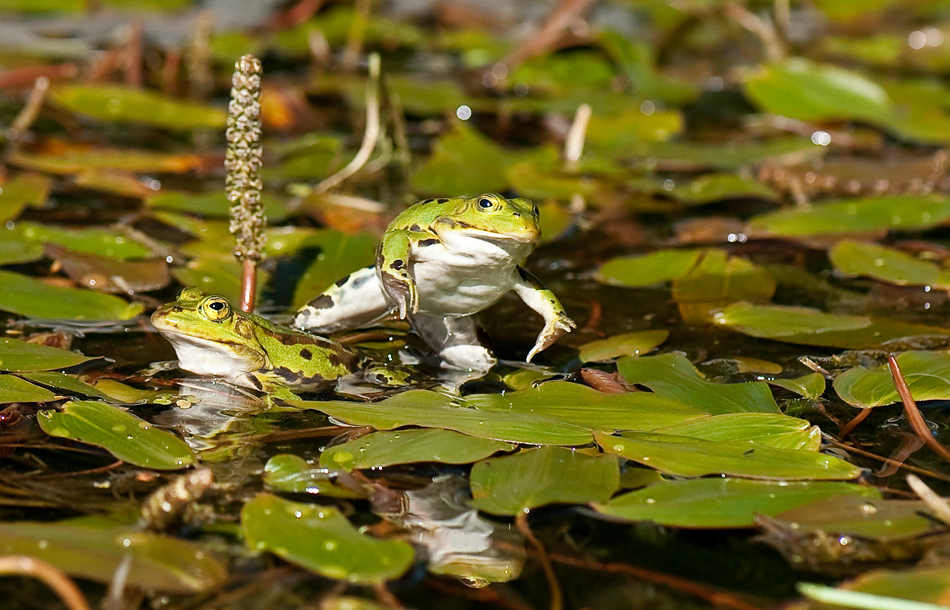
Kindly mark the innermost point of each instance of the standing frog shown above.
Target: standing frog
(439, 263)
(212, 338)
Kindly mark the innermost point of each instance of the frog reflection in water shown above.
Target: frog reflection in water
(439, 263)
(212, 338)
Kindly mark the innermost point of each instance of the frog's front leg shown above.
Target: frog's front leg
(392, 267)
(542, 300)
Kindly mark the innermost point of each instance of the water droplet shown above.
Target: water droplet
(298, 514)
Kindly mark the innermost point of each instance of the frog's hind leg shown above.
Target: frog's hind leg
(457, 341)
(353, 301)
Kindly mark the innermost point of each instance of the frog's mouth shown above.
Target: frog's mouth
(471, 231)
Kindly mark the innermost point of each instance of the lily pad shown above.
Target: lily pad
(96, 550)
(887, 265)
(35, 299)
(927, 375)
(624, 344)
(649, 269)
(694, 457)
(517, 483)
(122, 434)
(898, 212)
(723, 503)
(379, 449)
(14, 389)
(672, 376)
(19, 356)
(119, 104)
(321, 540)
(431, 410)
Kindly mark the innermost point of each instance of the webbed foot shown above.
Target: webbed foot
(554, 329)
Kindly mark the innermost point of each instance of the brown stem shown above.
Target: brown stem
(248, 285)
(851, 425)
(913, 413)
(557, 598)
(55, 579)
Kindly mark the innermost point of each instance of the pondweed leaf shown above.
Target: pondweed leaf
(379, 449)
(321, 540)
(127, 437)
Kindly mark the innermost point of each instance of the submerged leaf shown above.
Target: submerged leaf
(722, 503)
(513, 484)
(95, 550)
(122, 434)
(672, 376)
(293, 474)
(321, 540)
(625, 344)
(379, 449)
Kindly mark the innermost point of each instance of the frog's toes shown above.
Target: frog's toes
(403, 291)
(553, 330)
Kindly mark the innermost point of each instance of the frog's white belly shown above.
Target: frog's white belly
(463, 275)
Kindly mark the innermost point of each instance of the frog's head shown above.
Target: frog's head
(490, 215)
(209, 336)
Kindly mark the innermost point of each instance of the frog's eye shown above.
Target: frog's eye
(535, 211)
(216, 308)
(485, 203)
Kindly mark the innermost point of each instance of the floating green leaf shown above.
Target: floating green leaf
(719, 187)
(624, 344)
(432, 410)
(717, 280)
(877, 519)
(14, 389)
(927, 375)
(19, 356)
(93, 241)
(722, 503)
(98, 159)
(463, 161)
(122, 434)
(672, 376)
(35, 299)
(17, 248)
(814, 327)
(119, 104)
(898, 212)
(694, 457)
(923, 588)
(96, 550)
(320, 539)
(770, 429)
(887, 265)
(584, 406)
(340, 254)
(700, 155)
(21, 191)
(626, 133)
(801, 89)
(514, 484)
(811, 385)
(293, 474)
(649, 269)
(380, 449)
(62, 381)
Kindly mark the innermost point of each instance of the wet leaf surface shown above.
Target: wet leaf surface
(320, 539)
(927, 375)
(531, 478)
(718, 503)
(29, 297)
(380, 449)
(626, 344)
(15, 389)
(293, 474)
(18, 356)
(94, 549)
(127, 437)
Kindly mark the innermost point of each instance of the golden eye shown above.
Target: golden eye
(216, 308)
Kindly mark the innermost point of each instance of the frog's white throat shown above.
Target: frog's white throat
(206, 357)
(485, 245)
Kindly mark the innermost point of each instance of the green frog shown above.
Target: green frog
(440, 262)
(213, 338)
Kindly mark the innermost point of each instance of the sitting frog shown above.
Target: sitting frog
(440, 262)
(212, 338)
